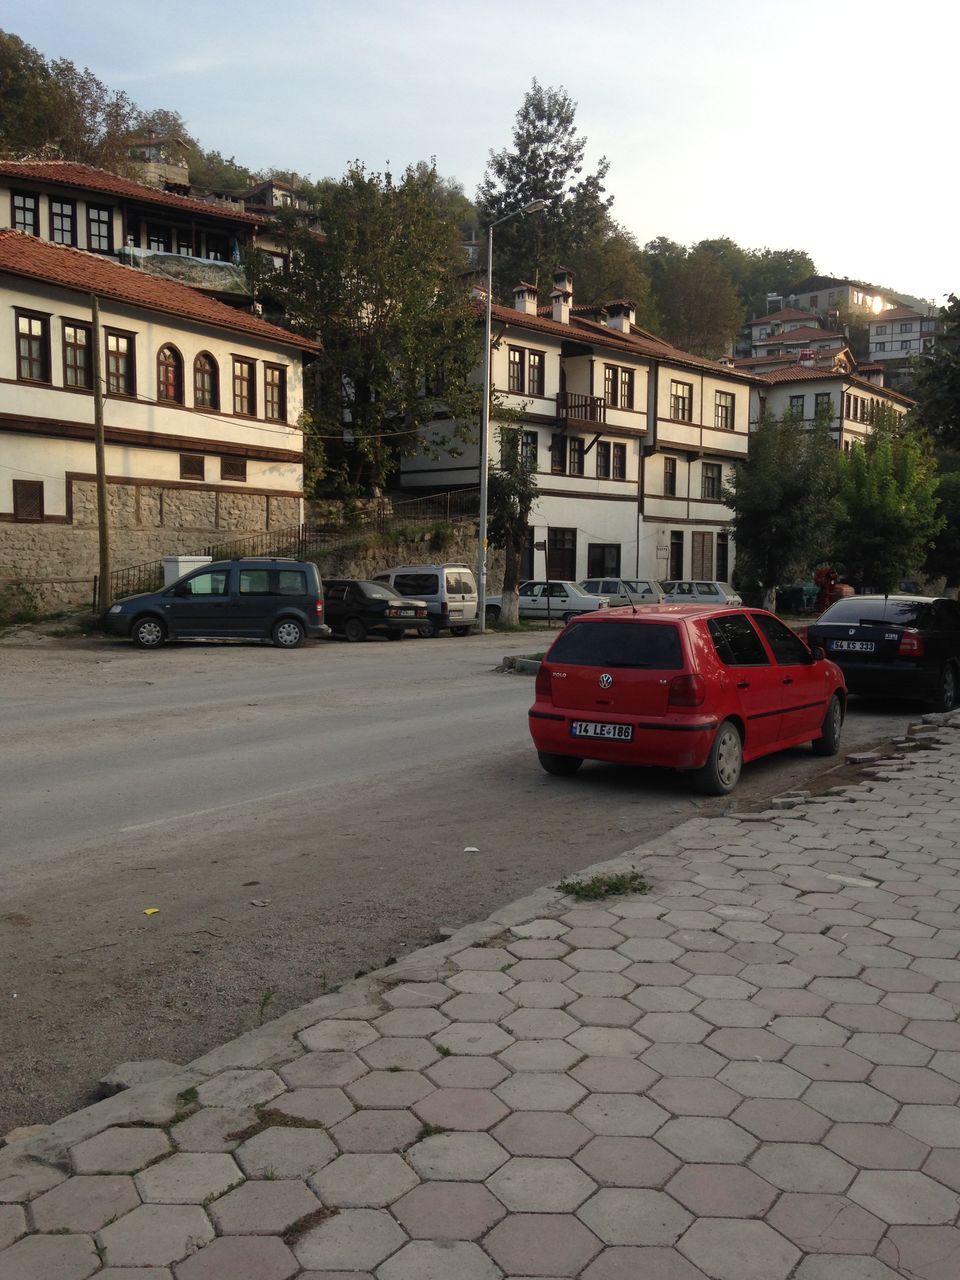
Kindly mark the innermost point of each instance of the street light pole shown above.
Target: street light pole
(535, 206)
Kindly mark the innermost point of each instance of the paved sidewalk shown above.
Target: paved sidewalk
(750, 1073)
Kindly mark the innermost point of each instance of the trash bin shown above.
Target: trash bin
(175, 567)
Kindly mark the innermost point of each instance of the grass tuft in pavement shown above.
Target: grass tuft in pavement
(604, 886)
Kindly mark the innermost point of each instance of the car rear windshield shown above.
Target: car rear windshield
(378, 591)
(620, 644)
(416, 584)
(859, 610)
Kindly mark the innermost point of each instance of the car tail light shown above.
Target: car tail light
(319, 610)
(911, 645)
(542, 686)
(444, 609)
(687, 691)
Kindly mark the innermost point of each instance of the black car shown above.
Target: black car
(355, 607)
(903, 646)
(237, 599)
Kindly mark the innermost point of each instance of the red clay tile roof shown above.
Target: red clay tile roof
(804, 335)
(801, 373)
(898, 313)
(791, 313)
(749, 362)
(64, 173)
(25, 255)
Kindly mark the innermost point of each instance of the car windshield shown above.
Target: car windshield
(619, 644)
(861, 611)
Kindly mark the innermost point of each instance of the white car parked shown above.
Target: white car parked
(689, 591)
(623, 591)
(548, 602)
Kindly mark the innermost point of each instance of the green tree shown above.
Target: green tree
(609, 264)
(546, 162)
(400, 337)
(938, 379)
(28, 99)
(699, 303)
(511, 495)
(783, 499)
(944, 558)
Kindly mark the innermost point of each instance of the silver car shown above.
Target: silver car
(689, 591)
(623, 591)
(549, 602)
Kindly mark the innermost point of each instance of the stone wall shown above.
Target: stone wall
(375, 554)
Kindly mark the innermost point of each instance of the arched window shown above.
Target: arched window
(206, 382)
(169, 375)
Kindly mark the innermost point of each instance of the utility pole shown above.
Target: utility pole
(104, 593)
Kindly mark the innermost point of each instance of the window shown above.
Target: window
(610, 384)
(561, 555)
(191, 466)
(676, 553)
(723, 557)
(879, 346)
(797, 404)
(788, 649)
(206, 382)
(515, 370)
(603, 559)
(626, 388)
(603, 460)
(77, 368)
(575, 456)
(99, 229)
(681, 401)
(736, 642)
(529, 442)
(255, 582)
(291, 582)
(159, 239)
(823, 403)
(28, 500)
(906, 344)
(670, 477)
(26, 216)
(723, 413)
(619, 462)
(204, 584)
(711, 479)
(121, 370)
(233, 468)
(218, 248)
(881, 328)
(169, 375)
(535, 382)
(814, 301)
(558, 455)
(907, 328)
(275, 392)
(701, 566)
(184, 243)
(620, 644)
(244, 388)
(33, 347)
(63, 221)
(416, 584)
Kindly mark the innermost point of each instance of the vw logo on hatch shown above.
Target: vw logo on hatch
(606, 681)
(852, 631)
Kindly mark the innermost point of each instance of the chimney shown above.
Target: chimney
(621, 314)
(562, 294)
(525, 298)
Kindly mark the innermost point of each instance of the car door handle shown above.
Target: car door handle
(788, 679)
(743, 684)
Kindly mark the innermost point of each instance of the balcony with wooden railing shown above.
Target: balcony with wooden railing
(571, 405)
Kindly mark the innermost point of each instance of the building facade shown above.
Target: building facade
(851, 403)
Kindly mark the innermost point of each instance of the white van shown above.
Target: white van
(450, 591)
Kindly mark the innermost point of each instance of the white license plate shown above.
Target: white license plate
(852, 646)
(593, 729)
(408, 613)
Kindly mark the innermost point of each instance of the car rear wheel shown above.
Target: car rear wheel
(288, 634)
(354, 630)
(148, 633)
(427, 630)
(569, 617)
(559, 766)
(828, 744)
(721, 773)
(947, 695)
(459, 631)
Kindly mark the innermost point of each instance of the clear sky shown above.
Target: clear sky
(825, 127)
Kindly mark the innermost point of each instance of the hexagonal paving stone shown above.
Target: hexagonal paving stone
(477, 1008)
(325, 1069)
(540, 1024)
(781, 1120)
(542, 995)
(312, 1106)
(541, 1055)
(448, 1211)
(416, 995)
(410, 1023)
(621, 1113)
(738, 1043)
(240, 1258)
(891, 1050)
(847, 1101)
(467, 1073)
(627, 1162)
(876, 1146)
(457, 1157)
(629, 1263)
(732, 1013)
(340, 1034)
(707, 1139)
(538, 949)
(649, 950)
(49, 1258)
(364, 1181)
(915, 1084)
(694, 1096)
(402, 1053)
(239, 1088)
(467, 1109)
(930, 1253)
(944, 1166)
(797, 1166)
(214, 1129)
(354, 1238)
(437, 1260)
(479, 982)
(683, 1060)
(540, 1091)
(828, 1063)
(635, 1216)
(541, 1133)
(763, 1079)
(471, 1038)
(536, 1185)
(284, 1152)
(156, 1234)
(733, 1249)
(188, 1178)
(80, 1204)
(722, 1191)
(901, 1197)
(262, 1208)
(119, 1150)
(543, 928)
(825, 1223)
(613, 1075)
(541, 1244)
(936, 1125)
(390, 1089)
(367, 1131)
(13, 1223)
(603, 1011)
(598, 961)
(482, 958)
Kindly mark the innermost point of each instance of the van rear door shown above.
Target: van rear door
(462, 599)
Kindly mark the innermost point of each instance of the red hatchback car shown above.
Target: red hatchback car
(693, 687)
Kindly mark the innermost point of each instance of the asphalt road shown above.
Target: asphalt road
(294, 817)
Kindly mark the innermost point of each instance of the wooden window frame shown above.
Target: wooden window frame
(725, 411)
(199, 403)
(618, 462)
(280, 386)
(69, 346)
(43, 317)
(176, 364)
(94, 225)
(604, 468)
(722, 553)
(679, 398)
(52, 203)
(626, 388)
(802, 405)
(558, 455)
(576, 457)
(676, 545)
(130, 387)
(536, 373)
(239, 363)
(36, 488)
(669, 477)
(530, 449)
(25, 195)
(611, 385)
(156, 231)
(711, 476)
(516, 371)
(237, 465)
(189, 467)
(822, 400)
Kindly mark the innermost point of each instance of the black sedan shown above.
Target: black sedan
(903, 646)
(352, 608)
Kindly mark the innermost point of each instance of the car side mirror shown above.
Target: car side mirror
(818, 652)
(182, 589)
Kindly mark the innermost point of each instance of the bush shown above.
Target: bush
(17, 605)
